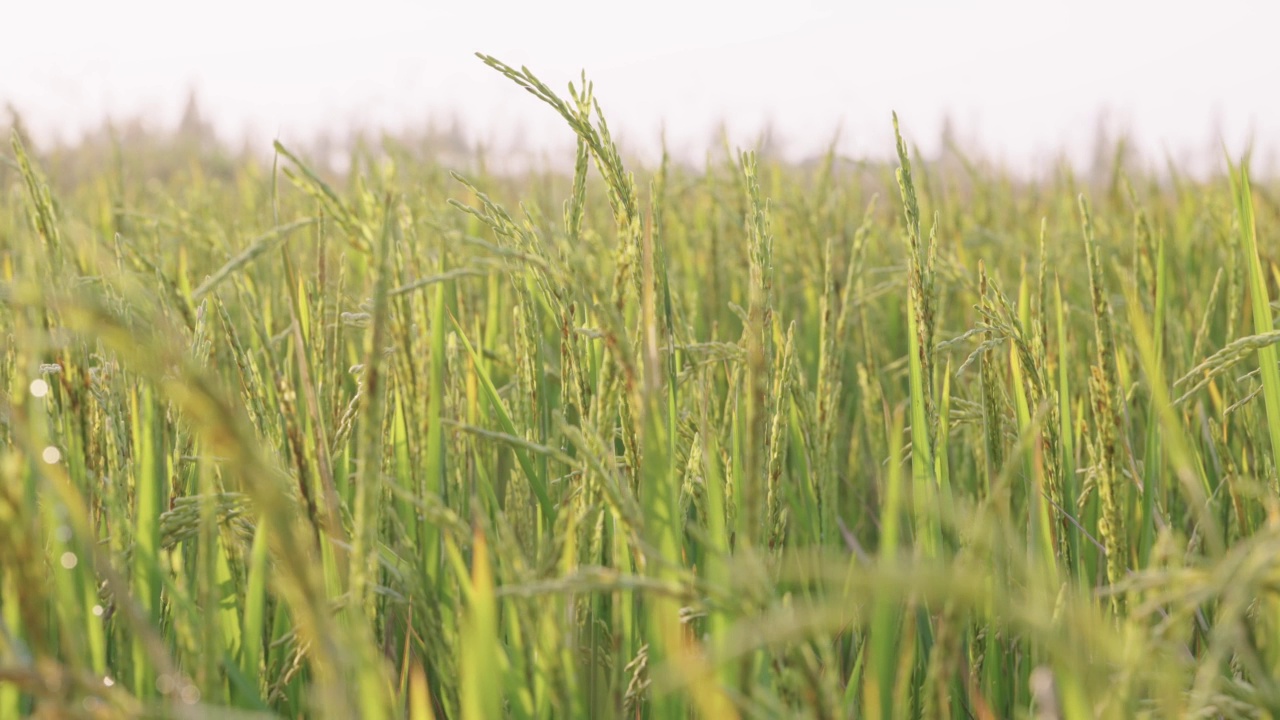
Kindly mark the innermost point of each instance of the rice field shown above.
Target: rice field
(742, 440)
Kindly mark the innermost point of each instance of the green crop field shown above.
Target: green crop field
(745, 440)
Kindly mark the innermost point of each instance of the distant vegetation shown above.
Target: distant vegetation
(748, 440)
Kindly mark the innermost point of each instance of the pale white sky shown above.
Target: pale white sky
(1019, 79)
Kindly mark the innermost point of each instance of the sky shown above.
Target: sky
(1020, 82)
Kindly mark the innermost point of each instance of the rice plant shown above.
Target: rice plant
(748, 440)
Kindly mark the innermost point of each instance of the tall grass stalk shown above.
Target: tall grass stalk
(727, 439)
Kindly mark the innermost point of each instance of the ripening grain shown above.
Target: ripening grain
(736, 441)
